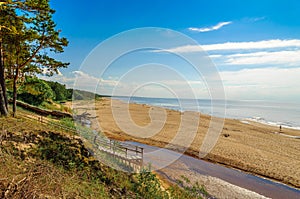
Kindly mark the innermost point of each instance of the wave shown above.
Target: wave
(272, 123)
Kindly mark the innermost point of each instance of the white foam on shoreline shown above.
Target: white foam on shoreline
(275, 124)
(244, 121)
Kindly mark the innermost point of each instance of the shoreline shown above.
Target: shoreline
(253, 118)
(233, 153)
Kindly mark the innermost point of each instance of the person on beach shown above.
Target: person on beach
(279, 128)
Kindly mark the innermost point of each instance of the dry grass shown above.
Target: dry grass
(25, 175)
(39, 179)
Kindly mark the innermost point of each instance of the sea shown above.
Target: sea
(286, 115)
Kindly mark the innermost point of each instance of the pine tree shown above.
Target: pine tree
(30, 42)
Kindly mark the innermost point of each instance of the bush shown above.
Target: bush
(35, 91)
(63, 151)
(148, 186)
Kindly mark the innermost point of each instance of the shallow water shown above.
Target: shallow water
(160, 158)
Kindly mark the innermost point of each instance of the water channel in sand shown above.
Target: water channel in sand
(184, 165)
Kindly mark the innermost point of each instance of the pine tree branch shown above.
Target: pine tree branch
(34, 53)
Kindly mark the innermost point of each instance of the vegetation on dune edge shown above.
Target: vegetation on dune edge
(40, 161)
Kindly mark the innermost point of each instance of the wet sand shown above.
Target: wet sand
(249, 146)
(219, 181)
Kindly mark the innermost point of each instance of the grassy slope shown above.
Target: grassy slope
(37, 161)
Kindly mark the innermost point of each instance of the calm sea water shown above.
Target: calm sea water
(273, 113)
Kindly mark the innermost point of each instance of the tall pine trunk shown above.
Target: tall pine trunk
(3, 97)
(16, 76)
(3, 109)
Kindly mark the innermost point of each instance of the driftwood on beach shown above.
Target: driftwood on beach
(57, 114)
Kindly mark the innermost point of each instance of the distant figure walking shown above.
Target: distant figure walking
(280, 128)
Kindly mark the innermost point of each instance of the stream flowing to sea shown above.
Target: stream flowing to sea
(159, 157)
(272, 113)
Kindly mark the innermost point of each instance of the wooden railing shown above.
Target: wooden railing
(128, 152)
(119, 149)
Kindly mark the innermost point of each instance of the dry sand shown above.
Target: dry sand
(252, 147)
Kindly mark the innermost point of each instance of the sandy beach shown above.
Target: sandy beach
(252, 147)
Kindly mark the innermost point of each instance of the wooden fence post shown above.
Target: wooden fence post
(113, 146)
(2, 134)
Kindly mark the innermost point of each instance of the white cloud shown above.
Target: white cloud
(267, 52)
(263, 83)
(59, 73)
(88, 82)
(83, 81)
(162, 88)
(216, 27)
(265, 44)
(68, 81)
(283, 58)
(247, 84)
(253, 19)
(259, 84)
(215, 56)
(182, 49)
(257, 19)
(47, 72)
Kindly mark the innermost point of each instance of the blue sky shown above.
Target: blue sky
(255, 44)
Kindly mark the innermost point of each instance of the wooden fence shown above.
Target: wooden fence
(131, 154)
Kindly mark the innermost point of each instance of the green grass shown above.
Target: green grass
(55, 106)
